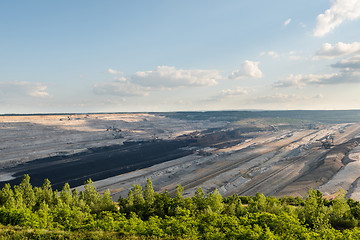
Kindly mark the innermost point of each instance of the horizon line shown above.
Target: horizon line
(157, 112)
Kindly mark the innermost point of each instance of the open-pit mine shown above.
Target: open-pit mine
(274, 153)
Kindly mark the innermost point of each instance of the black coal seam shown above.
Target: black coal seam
(98, 163)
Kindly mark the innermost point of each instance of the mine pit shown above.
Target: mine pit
(236, 157)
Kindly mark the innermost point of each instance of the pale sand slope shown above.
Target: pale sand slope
(346, 177)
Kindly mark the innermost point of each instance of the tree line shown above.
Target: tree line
(44, 213)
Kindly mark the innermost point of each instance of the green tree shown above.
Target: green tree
(106, 202)
(149, 193)
(7, 196)
(130, 199)
(163, 205)
(179, 201)
(138, 195)
(47, 192)
(314, 212)
(65, 194)
(91, 196)
(75, 197)
(27, 191)
(18, 196)
(258, 203)
(44, 214)
(179, 193)
(200, 200)
(340, 216)
(215, 201)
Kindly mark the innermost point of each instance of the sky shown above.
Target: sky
(160, 55)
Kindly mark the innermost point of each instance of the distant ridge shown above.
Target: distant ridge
(210, 111)
(320, 116)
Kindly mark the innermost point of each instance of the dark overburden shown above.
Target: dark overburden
(99, 163)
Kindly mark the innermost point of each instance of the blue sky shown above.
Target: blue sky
(101, 56)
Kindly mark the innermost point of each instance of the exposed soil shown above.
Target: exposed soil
(274, 163)
(321, 172)
(119, 150)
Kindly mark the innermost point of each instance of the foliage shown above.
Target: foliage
(28, 212)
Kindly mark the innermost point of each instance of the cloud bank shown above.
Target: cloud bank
(234, 92)
(170, 77)
(340, 11)
(301, 80)
(163, 77)
(350, 64)
(119, 88)
(30, 89)
(328, 51)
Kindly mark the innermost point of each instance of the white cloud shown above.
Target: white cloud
(272, 54)
(121, 79)
(227, 93)
(349, 64)
(31, 89)
(276, 98)
(287, 22)
(293, 57)
(249, 69)
(124, 89)
(163, 77)
(318, 79)
(329, 51)
(284, 98)
(170, 77)
(234, 92)
(291, 81)
(339, 11)
(118, 75)
(114, 72)
(38, 91)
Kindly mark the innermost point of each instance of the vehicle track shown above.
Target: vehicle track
(230, 166)
(198, 181)
(251, 189)
(274, 175)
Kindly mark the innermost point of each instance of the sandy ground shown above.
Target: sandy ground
(347, 175)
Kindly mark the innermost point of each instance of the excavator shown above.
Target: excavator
(327, 141)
